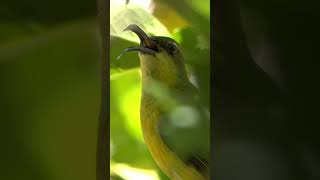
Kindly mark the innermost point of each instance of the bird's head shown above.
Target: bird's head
(160, 58)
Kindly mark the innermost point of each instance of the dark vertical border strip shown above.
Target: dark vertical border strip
(236, 79)
(212, 113)
(103, 144)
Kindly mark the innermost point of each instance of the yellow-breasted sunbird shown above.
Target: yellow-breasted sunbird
(175, 127)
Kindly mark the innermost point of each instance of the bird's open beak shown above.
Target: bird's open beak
(147, 45)
(144, 38)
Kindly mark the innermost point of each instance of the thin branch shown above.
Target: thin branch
(102, 155)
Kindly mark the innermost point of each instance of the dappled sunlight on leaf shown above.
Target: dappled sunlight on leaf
(121, 16)
(130, 173)
(125, 130)
(130, 107)
(122, 73)
(130, 101)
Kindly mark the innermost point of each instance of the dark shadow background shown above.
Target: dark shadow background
(266, 124)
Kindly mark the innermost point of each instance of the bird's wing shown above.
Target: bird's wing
(186, 131)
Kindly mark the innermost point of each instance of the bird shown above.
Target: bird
(175, 127)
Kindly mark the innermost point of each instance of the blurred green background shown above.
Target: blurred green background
(130, 158)
(50, 88)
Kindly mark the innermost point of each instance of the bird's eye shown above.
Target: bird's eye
(172, 48)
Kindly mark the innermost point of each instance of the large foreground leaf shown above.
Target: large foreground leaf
(122, 15)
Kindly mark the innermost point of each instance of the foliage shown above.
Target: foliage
(50, 89)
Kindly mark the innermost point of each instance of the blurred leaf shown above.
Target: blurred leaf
(52, 12)
(197, 21)
(12, 31)
(127, 61)
(125, 130)
(131, 98)
(130, 173)
(202, 7)
(19, 47)
(52, 86)
(114, 71)
(121, 16)
(169, 16)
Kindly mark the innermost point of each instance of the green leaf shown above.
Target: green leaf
(125, 130)
(52, 86)
(127, 61)
(201, 7)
